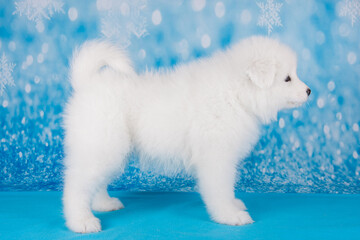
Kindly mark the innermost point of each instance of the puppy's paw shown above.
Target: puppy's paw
(107, 204)
(234, 218)
(85, 225)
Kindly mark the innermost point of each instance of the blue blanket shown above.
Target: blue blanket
(38, 215)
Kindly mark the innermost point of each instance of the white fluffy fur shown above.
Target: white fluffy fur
(203, 116)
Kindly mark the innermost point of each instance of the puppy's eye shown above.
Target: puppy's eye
(288, 79)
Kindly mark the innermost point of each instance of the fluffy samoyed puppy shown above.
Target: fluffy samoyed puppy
(203, 117)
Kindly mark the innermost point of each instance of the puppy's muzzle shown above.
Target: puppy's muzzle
(308, 91)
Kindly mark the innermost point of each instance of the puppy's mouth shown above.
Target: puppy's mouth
(295, 104)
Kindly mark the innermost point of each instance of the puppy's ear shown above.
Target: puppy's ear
(262, 73)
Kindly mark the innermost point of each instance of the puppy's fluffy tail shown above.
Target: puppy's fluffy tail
(92, 56)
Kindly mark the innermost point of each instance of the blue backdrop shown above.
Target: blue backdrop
(311, 149)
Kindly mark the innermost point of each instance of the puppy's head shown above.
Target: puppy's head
(271, 73)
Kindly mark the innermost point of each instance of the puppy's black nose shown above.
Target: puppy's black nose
(308, 91)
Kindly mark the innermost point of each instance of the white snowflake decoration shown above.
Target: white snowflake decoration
(6, 70)
(122, 18)
(269, 15)
(351, 9)
(38, 10)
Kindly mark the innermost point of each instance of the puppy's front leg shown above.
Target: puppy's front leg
(216, 179)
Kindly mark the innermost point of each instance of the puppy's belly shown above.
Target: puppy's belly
(160, 141)
(162, 150)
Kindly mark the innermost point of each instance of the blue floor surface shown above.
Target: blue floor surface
(38, 215)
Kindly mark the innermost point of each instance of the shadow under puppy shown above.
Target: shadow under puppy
(203, 116)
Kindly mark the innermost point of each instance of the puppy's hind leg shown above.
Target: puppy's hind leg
(86, 181)
(80, 185)
(90, 165)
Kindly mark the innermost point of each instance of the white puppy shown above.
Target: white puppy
(202, 117)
